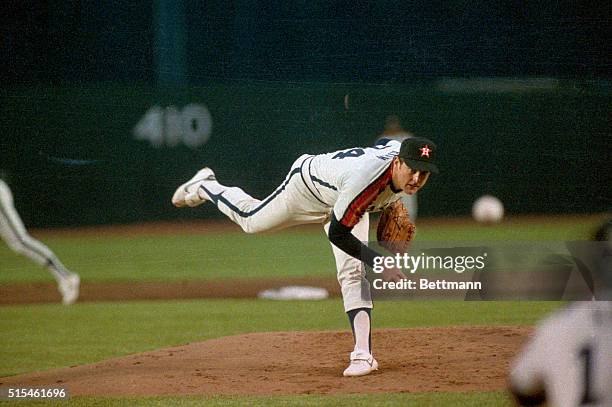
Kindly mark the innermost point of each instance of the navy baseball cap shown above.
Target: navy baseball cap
(420, 154)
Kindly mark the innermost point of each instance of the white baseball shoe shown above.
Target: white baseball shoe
(189, 194)
(362, 363)
(69, 288)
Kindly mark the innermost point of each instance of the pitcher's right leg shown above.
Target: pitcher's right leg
(284, 207)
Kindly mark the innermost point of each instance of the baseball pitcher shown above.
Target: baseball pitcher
(338, 190)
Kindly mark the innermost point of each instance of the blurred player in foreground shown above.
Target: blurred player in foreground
(395, 131)
(568, 361)
(14, 233)
(338, 190)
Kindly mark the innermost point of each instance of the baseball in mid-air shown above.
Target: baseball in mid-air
(488, 209)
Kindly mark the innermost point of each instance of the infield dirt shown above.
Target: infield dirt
(31, 293)
(411, 360)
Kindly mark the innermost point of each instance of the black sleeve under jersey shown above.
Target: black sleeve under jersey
(343, 239)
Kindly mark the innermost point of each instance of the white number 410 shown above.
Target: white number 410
(170, 126)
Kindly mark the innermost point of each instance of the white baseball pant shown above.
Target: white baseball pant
(14, 233)
(293, 204)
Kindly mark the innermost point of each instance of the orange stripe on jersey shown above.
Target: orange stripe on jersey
(360, 204)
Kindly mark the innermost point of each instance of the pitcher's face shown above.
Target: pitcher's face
(408, 179)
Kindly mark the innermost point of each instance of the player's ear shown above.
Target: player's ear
(397, 162)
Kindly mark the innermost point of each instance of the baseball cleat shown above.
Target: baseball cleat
(69, 288)
(188, 194)
(362, 363)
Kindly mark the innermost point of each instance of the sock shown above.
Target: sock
(360, 319)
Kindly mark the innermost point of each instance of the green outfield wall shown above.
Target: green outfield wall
(114, 154)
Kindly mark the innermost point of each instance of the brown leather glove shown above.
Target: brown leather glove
(395, 231)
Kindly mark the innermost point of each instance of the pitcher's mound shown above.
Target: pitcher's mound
(411, 360)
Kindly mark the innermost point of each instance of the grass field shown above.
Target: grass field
(295, 252)
(37, 337)
(493, 399)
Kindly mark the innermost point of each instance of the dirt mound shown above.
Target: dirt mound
(411, 360)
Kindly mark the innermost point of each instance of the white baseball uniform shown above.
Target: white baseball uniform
(569, 358)
(349, 182)
(14, 233)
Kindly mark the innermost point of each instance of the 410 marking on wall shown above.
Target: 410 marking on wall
(171, 126)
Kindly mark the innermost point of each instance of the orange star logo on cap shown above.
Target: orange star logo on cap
(425, 151)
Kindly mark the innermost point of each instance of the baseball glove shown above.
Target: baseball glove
(395, 230)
